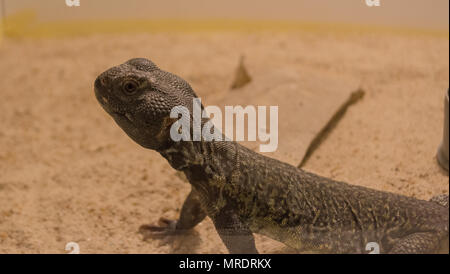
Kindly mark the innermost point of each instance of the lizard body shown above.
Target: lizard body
(244, 192)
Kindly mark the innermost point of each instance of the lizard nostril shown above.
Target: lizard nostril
(103, 81)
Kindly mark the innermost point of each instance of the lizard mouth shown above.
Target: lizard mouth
(125, 117)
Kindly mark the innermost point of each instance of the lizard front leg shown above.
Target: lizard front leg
(236, 236)
(191, 214)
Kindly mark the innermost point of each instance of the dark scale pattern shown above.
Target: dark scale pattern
(244, 192)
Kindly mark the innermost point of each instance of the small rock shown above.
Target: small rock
(242, 77)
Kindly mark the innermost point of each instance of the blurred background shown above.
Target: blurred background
(416, 14)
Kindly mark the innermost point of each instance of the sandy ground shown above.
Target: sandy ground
(68, 173)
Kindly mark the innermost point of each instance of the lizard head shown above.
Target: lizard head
(139, 97)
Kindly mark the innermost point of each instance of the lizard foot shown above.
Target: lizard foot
(165, 227)
(169, 233)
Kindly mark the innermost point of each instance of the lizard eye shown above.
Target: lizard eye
(130, 87)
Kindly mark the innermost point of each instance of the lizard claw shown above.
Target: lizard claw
(165, 227)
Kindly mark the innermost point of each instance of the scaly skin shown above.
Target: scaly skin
(244, 192)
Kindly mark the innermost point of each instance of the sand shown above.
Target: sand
(69, 174)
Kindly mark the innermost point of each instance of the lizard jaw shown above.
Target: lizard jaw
(124, 117)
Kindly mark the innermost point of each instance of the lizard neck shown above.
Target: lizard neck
(203, 160)
(212, 168)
